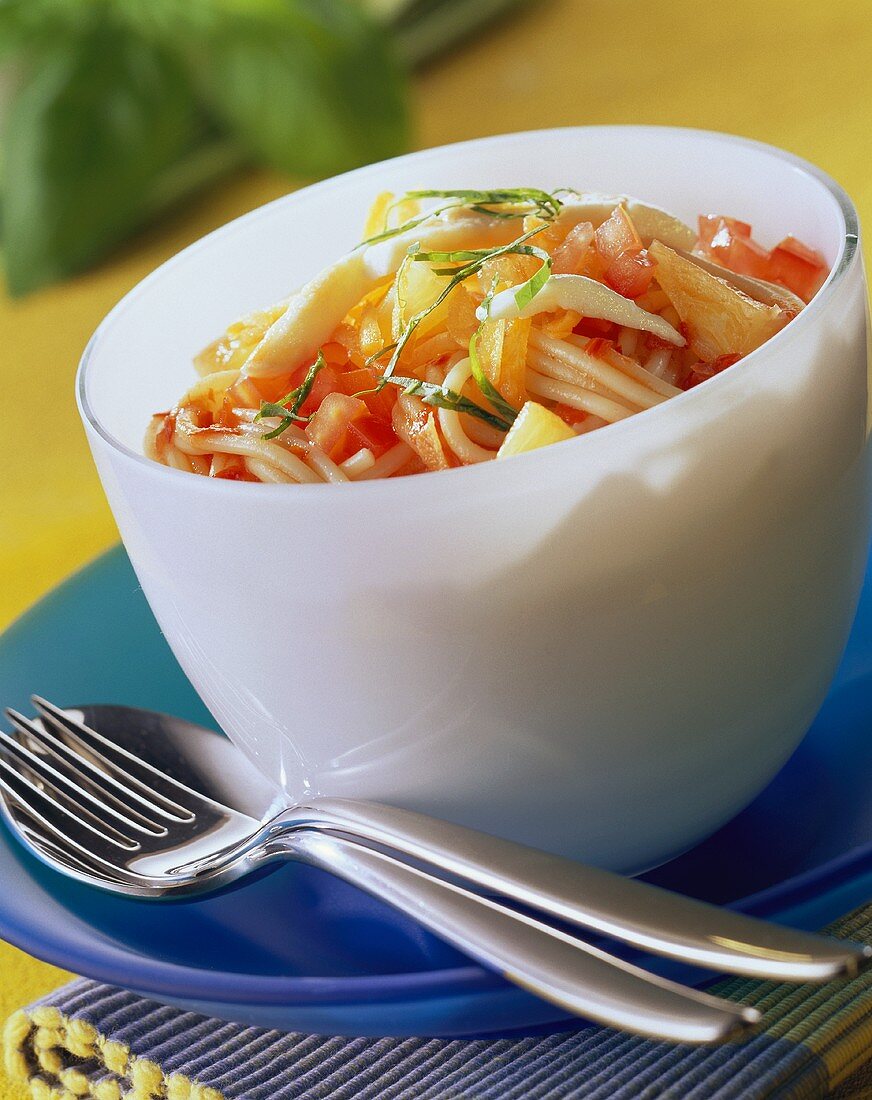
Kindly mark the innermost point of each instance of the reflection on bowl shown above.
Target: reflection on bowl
(605, 647)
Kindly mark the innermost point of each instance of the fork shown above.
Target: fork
(148, 823)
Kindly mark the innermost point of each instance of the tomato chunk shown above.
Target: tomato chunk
(361, 381)
(326, 380)
(371, 432)
(568, 414)
(627, 267)
(713, 226)
(701, 372)
(630, 274)
(617, 235)
(728, 242)
(791, 263)
(595, 326)
(330, 424)
(798, 267)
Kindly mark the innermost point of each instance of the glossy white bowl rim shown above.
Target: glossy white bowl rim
(484, 471)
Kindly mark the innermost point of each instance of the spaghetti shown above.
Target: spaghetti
(474, 325)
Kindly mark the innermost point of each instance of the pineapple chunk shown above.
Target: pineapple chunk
(720, 319)
(208, 393)
(418, 287)
(231, 349)
(376, 218)
(415, 424)
(502, 351)
(534, 427)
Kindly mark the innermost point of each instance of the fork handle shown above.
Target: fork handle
(598, 901)
(576, 976)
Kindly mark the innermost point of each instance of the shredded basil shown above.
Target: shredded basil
(466, 263)
(472, 261)
(488, 389)
(540, 203)
(290, 414)
(444, 398)
(545, 204)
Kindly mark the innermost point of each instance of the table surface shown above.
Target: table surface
(798, 76)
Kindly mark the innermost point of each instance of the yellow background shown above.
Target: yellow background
(798, 75)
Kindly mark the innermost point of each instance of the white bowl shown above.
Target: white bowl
(604, 648)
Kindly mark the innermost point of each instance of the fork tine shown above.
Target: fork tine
(155, 785)
(60, 815)
(76, 782)
(133, 795)
(56, 849)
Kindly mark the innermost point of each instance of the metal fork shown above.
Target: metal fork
(142, 809)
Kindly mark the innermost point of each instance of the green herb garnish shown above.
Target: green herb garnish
(290, 414)
(471, 261)
(464, 264)
(544, 204)
(505, 410)
(539, 203)
(431, 393)
(526, 292)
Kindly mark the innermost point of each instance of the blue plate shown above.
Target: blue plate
(300, 950)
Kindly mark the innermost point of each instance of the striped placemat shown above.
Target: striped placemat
(93, 1040)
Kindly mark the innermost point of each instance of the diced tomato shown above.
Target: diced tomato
(329, 426)
(700, 372)
(415, 424)
(728, 241)
(711, 225)
(226, 417)
(358, 380)
(798, 267)
(791, 263)
(692, 379)
(591, 327)
(372, 432)
(362, 380)
(617, 235)
(568, 415)
(630, 274)
(568, 258)
(746, 257)
(627, 267)
(326, 381)
(653, 342)
(335, 353)
(235, 470)
(598, 346)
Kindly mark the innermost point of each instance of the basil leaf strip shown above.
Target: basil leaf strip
(443, 398)
(297, 396)
(503, 408)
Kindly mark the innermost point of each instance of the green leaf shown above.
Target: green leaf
(527, 291)
(100, 115)
(543, 202)
(440, 396)
(488, 389)
(25, 23)
(290, 413)
(309, 86)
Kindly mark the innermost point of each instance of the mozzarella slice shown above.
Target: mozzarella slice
(584, 296)
(317, 308)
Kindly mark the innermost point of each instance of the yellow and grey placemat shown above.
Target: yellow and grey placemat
(89, 1039)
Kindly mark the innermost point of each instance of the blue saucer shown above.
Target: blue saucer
(300, 950)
